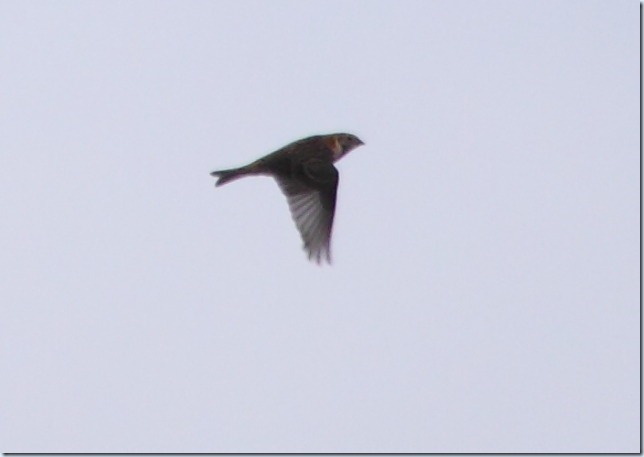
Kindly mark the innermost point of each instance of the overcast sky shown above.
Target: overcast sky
(484, 294)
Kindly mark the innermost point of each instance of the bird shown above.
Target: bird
(305, 173)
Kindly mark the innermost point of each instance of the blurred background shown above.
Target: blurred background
(484, 295)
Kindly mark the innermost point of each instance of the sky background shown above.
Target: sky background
(484, 295)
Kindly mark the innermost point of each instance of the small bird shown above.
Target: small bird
(304, 171)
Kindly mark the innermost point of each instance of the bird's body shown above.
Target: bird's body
(304, 171)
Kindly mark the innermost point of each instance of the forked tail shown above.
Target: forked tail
(230, 175)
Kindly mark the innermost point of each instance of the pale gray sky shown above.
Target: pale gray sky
(484, 295)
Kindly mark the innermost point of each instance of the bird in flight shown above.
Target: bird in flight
(305, 173)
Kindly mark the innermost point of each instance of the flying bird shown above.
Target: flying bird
(305, 173)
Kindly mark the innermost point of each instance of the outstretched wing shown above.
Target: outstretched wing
(311, 194)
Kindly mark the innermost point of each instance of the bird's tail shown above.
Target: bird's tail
(230, 175)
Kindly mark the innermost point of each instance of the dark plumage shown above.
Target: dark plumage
(304, 171)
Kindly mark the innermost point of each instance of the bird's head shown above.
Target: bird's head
(344, 142)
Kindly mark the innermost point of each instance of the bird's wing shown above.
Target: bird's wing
(311, 199)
